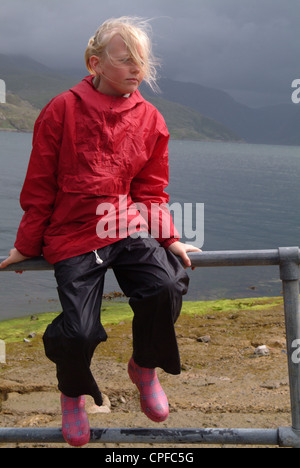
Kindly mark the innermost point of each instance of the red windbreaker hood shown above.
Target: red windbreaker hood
(92, 98)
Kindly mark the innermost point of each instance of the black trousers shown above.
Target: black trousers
(155, 282)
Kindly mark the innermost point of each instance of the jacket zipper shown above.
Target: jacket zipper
(111, 108)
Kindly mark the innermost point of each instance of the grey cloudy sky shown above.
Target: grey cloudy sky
(250, 48)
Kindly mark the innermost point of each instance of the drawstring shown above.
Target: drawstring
(98, 259)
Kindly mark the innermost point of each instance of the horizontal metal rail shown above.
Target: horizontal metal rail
(199, 259)
(151, 435)
(288, 260)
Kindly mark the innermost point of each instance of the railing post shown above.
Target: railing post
(289, 274)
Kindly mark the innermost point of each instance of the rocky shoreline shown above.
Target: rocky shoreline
(224, 382)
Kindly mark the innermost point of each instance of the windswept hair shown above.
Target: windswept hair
(135, 33)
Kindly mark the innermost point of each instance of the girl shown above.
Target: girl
(93, 194)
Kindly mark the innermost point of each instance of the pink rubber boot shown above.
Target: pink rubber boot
(75, 423)
(154, 402)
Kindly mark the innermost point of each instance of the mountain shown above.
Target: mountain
(270, 125)
(191, 111)
(17, 114)
(185, 123)
(38, 84)
(31, 80)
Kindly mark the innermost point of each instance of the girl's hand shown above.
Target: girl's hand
(181, 249)
(14, 257)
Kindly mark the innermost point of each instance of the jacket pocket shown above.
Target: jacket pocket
(102, 184)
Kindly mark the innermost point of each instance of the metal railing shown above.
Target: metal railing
(288, 260)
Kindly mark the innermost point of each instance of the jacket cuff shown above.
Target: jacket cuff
(28, 253)
(166, 243)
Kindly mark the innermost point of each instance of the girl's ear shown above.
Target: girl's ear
(95, 64)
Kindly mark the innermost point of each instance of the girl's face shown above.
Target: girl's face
(118, 73)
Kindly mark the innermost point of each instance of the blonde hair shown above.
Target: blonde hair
(135, 34)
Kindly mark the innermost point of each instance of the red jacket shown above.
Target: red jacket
(89, 149)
